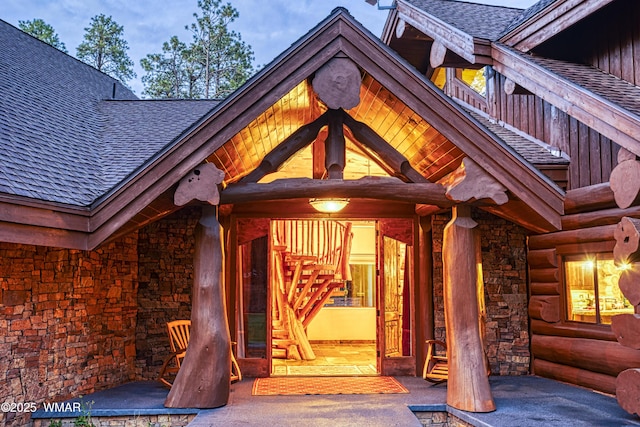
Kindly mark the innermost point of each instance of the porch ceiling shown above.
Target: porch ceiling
(428, 151)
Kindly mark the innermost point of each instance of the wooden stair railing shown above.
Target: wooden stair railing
(310, 264)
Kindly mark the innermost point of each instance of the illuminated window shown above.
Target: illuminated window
(475, 79)
(439, 77)
(593, 294)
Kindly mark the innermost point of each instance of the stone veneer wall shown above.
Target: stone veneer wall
(165, 249)
(505, 285)
(67, 321)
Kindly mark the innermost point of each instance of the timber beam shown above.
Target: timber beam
(299, 139)
(384, 188)
(370, 139)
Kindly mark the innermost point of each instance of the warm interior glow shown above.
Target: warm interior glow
(588, 264)
(624, 266)
(329, 205)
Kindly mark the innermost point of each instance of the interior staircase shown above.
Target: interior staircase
(310, 259)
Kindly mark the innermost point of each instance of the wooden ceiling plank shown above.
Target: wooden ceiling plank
(367, 136)
(295, 142)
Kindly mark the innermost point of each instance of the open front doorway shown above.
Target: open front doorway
(326, 297)
(334, 302)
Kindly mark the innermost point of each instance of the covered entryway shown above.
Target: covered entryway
(351, 309)
(339, 116)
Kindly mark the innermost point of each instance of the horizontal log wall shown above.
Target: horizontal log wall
(579, 353)
(592, 155)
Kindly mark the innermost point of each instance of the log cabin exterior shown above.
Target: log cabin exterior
(551, 77)
(98, 253)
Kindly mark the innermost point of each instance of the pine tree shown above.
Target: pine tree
(43, 31)
(215, 64)
(172, 73)
(105, 48)
(225, 59)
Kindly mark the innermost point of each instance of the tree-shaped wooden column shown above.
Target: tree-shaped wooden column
(468, 385)
(205, 374)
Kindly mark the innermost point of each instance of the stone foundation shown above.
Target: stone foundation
(440, 419)
(67, 321)
(131, 421)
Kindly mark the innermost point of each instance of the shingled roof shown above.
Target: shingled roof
(532, 151)
(528, 13)
(70, 133)
(594, 80)
(478, 20)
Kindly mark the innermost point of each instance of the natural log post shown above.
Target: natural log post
(468, 385)
(629, 283)
(204, 378)
(469, 181)
(625, 183)
(627, 235)
(438, 54)
(626, 327)
(628, 390)
(337, 83)
(335, 146)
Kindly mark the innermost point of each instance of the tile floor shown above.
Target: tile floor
(331, 359)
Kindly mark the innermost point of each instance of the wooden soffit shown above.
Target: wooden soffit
(550, 21)
(428, 151)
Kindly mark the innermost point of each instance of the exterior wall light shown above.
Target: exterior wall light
(329, 205)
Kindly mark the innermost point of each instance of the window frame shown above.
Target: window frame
(595, 251)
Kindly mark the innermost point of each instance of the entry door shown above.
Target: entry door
(395, 355)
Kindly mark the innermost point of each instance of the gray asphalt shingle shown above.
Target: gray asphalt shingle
(64, 137)
(478, 20)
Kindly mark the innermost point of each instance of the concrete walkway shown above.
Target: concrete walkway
(520, 401)
(524, 401)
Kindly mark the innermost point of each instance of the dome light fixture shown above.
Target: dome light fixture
(329, 205)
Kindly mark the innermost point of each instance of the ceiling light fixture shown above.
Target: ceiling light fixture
(330, 205)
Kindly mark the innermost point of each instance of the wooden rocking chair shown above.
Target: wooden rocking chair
(436, 366)
(179, 334)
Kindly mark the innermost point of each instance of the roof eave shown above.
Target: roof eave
(553, 19)
(607, 118)
(461, 43)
